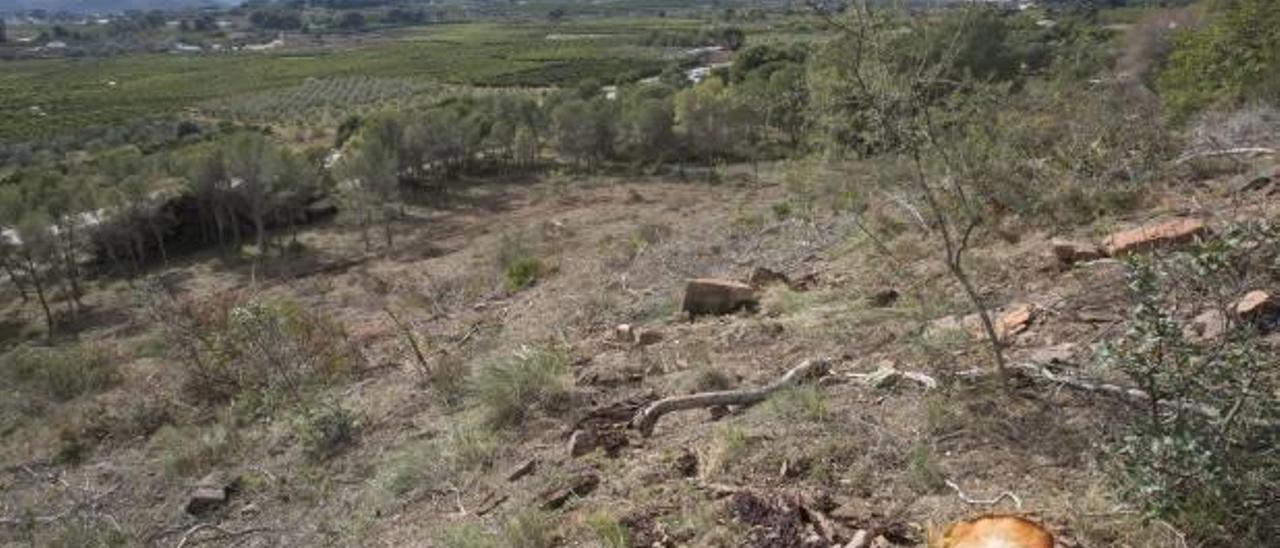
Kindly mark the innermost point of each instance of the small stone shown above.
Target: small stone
(1150, 236)
(209, 494)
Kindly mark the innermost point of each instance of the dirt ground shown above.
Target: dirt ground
(896, 459)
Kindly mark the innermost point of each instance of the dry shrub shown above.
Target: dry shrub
(1254, 126)
(533, 378)
(233, 343)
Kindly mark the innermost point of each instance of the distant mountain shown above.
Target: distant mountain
(107, 6)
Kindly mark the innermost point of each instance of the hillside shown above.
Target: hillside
(947, 278)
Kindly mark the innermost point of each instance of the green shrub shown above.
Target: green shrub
(804, 403)
(923, 472)
(325, 429)
(609, 531)
(1234, 58)
(529, 529)
(466, 535)
(533, 378)
(1207, 474)
(59, 374)
(467, 448)
(522, 273)
(194, 450)
(518, 260)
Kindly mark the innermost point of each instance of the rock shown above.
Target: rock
(1150, 236)
(1255, 304)
(1207, 326)
(210, 493)
(717, 296)
(581, 442)
(762, 277)
(1069, 252)
(523, 469)
(624, 333)
(1014, 320)
(580, 485)
(883, 298)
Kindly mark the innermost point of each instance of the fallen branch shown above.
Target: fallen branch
(645, 420)
(1225, 152)
(984, 502)
(223, 534)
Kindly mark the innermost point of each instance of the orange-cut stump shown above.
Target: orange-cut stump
(996, 532)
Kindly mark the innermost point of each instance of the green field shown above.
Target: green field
(46, 97)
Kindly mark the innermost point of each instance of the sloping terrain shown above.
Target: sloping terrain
(429, 460)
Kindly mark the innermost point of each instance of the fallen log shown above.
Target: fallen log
(645, 420)
(1223, 152)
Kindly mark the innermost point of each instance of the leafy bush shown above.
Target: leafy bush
(534, 377)
(326, 429)
(1211, 474)
(231, 344)
(1235, 57)
(522, 273)
(519, 262)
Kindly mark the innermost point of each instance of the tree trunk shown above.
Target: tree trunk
(17, 282)
(34, 273)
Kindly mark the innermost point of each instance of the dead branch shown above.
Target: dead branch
(984, 502)
(1242, 151)
(222, 534)
(645, 420)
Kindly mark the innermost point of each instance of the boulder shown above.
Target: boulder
(717, 296)
(1177, 231)
(1255, 304)
(1069, 252)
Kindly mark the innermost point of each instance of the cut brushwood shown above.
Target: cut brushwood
(645, 420)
